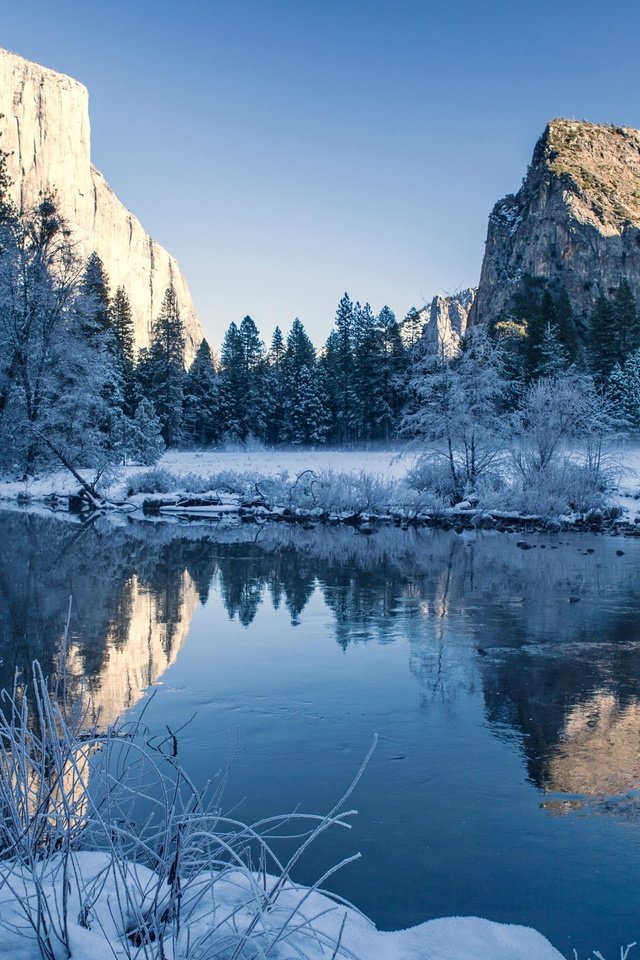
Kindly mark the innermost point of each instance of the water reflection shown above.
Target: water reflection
(549, 635)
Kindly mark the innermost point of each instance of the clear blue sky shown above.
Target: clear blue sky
(288, 150)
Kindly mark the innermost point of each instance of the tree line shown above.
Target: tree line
(73, 388)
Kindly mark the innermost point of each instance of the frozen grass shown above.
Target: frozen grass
(67, 788)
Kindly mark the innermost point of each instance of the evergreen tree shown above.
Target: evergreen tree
(200, 421)
(274, 388)
(122, 331)
(338, 362)
(542, 316)
(553, 358)
(387, 390)
(305, 403)
(366, 360)
(411, 329)
(242, 382)
(121, 323)
(601, 339)
(626, 322)
(95, 287)
(567, 333)
(144, 443)
(623, 390)
(161, 368)
(306, 407)
(299, 351)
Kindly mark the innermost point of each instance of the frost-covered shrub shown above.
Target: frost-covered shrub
(158, 480)
(336, 492)
(433, 475)
(564, 487)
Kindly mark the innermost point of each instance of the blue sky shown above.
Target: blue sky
(287, 150)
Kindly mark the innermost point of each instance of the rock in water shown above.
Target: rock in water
(45, 128)
(574, 222)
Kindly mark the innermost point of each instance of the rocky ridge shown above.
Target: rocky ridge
(445, 321)
(45, 129)
(575, 221)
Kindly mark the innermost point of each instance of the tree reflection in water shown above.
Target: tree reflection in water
(562, 678)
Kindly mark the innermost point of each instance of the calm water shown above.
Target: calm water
(504, 782)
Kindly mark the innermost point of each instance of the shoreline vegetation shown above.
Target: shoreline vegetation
(367, 490)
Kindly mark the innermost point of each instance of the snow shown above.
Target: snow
(221, 911)
(261, 462)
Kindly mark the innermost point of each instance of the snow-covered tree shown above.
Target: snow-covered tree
(200, 418)
(274, 388)
(243, 403)
(95, 288)
(143, 441)
(305, 401)
(456, 406)
(552, 357)
(55, 365)
(161, 368)
(339, 366)
(122, 332)
(623, 388)
(554, 411)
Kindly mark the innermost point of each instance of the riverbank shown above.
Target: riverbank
(365, 489)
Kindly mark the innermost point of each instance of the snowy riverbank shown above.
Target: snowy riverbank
(338, 486)
(315, 922)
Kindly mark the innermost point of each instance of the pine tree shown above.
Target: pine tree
(121, 327)
(305, 403)
(411, 329)
(366, 358)
(601, 339)
(306, 407)
(626, 322)
(338, 362)
(623, 390)
(553, 358)
(274, 388)
(121, 323)
(540, 318)
(388, 384)
(144, 443)
(567, 333)
(161, 368)
(95, 287)
(200, 420)
(242, 382)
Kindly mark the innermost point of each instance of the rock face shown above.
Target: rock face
(45, 128)
(575, 221)
(445, 321)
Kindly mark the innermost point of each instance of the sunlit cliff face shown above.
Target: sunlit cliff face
(599, 754)
(145, 646)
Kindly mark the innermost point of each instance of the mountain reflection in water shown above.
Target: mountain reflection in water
(563, 678)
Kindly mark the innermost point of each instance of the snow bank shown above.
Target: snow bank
(315, 923)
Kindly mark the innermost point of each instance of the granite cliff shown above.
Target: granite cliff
(575, 222)
(445, 321)
(45, 128)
